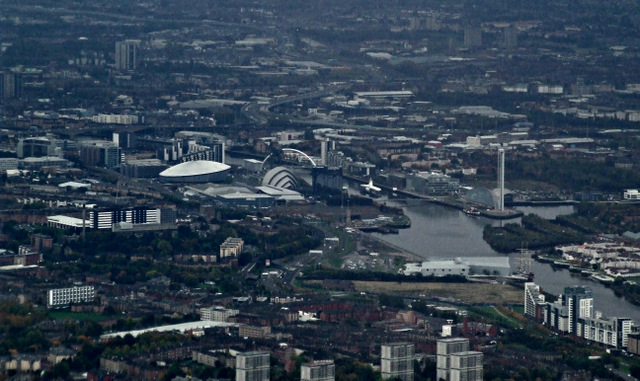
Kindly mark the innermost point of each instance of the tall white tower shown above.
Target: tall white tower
(501, 178)
(323, 151)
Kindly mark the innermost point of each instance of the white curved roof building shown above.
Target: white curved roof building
(198, 171)
(281, 177)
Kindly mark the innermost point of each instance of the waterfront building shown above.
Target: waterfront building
(613, 332)
(432, 183)
(633, 343)
(497, 266)
(396, 361)
(534, 301)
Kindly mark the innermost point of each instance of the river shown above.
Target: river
(438, 232)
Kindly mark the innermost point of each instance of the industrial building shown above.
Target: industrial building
(495, 266)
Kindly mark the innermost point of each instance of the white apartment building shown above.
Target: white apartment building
(217, 313)
(466, 366)
(59, 297)
(253, 366)
(396, 361)
(324, 370)
(444, 349)
(231, 247)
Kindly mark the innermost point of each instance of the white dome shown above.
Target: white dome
(194, 168)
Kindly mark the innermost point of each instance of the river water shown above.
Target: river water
(438, 232)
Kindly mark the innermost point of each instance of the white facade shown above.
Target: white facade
(231, 247)
(613, 332)
(318, 371)
(64, 296)
(436, 268)
(115, 119)
(532, 298)
(444, 349)
(396, 361)
(253, 366)
(631, 194)
(466, 366)
(217, 313)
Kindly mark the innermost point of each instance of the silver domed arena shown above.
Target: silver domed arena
(281, 177)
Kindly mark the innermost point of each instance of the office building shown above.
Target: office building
(466, 366)
(61, 297)
(37, 163)
(143, 168)
(472, 37)
(124, 139)
(324, 370)
(444, 349)
(329, 178)
(37, 147)
(106, 155)
(106, 219)
(510, 37)
(127, 54)
(432, 183)
(11, 85)
(217, 313)
(253, 366)
(396, 361)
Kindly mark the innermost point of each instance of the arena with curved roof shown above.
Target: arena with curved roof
(198, 171)
(281, 177)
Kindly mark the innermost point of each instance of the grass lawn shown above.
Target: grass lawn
(456, 292)
(66, 314)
